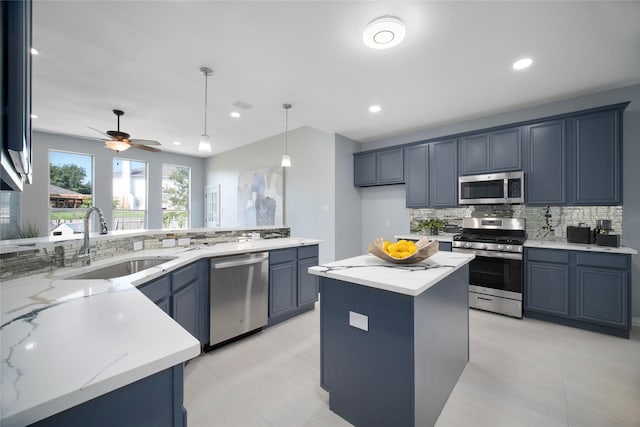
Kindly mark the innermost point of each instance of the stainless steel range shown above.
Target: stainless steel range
(495, 275)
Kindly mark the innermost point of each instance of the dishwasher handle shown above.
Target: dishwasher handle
(238, 261)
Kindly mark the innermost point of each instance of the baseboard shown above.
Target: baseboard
(635, 321)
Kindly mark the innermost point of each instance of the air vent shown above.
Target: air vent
(243, 105)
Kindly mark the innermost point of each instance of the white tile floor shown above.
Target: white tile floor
(521, 373)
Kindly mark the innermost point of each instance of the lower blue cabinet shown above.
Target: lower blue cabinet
(292, 290)
(589, 290)
(184, 295)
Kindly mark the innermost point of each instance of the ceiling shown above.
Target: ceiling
(454, 64)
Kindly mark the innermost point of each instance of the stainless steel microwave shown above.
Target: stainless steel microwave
(492, 188)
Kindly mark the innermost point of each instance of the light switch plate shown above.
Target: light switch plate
(358, 320)
(185, 241)
(137, 246)
(168, 243)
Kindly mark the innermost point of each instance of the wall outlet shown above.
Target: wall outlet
(387, 222)
(255, 236)
(168, 243)
(138, 246)
(359, 321)
(558, 232)
(185, 241)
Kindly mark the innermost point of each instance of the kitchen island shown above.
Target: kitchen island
(394, 339)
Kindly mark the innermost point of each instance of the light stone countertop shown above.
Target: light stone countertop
(442, 237)
(544, 244)
(64, 342)
(407, 279)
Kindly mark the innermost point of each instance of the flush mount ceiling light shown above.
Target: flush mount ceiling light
(384, 32)
(523, 63)
(205, 142)
(375, 109)
(286, 160)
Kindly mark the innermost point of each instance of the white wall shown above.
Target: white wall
(348, 230)
(383, 213)
(35, 197)
(309, 195)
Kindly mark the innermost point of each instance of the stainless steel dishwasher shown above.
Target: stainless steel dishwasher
(239, 295)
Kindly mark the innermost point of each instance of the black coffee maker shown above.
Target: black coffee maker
(602, 235)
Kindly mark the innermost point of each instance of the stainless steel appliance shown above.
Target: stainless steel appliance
(239, 295)
(496, 274)
(493, 188)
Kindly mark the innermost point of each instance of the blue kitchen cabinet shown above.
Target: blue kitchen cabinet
(380, 167)
(417, 175)
(443, 174)
(292, 290)
(184, 295)
(474, 154)
(154, 401)
(595, 160)
(445, 246)
(364, 169)
(488, 152)
(546, 163)
(547, 281)
(588, 290)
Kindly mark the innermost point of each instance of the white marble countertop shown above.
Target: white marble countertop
(544, 244)
(408, 279)
(65, 342)
(442, 237)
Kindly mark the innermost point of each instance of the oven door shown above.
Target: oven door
(495, 273)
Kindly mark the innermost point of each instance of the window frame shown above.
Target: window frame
(188, 208)
(114, 210)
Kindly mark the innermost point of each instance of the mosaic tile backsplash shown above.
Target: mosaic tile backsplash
(552, 227)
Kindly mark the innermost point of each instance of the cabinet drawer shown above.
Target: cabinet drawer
(548, 255)
(184, 276)
(282, 255)
(602, 260)
(307, 251)
(157, 289)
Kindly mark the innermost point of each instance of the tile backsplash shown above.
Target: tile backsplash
(539, 226)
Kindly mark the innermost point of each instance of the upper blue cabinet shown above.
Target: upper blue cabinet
(496, 151)
(381, 167)
(432, 174)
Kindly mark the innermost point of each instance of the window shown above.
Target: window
(70, 191)
(176, 192)
(129, 194)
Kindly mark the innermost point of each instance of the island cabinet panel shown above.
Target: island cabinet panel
(596, 158)
(400, 368)
(546, 163)
(292, 290)
(443, 174)
(154, 401)
(380, 167)
(184, 295)
(445, 246)
(581, 289)
(417, 174)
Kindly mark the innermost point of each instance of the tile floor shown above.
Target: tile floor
(521, 373)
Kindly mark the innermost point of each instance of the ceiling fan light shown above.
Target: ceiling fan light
(204, 144)
(116, 145)
(286, 161)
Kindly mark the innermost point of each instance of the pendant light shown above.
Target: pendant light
(205, 141)
(286, 160)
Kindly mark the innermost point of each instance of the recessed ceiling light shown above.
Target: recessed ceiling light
(34, 51)
(523, 63)
(177, 143)
(235, 114)
(384, 32)
(33, 116)
(375, 109)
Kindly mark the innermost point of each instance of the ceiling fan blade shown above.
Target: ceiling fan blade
(100, 132)
(144, 147)
(145, 141)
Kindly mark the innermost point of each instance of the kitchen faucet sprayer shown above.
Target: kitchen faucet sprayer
(85, 251)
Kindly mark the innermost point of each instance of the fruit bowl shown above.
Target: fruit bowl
(425, 248)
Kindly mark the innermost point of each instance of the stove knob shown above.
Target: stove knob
(509, 248)
(500, 247)
(467, 245)
(484, 247)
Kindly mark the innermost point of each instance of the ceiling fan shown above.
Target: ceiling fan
(119, 141)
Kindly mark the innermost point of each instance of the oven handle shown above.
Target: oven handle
(490, 254)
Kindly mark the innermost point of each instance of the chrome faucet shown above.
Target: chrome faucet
(85, 251)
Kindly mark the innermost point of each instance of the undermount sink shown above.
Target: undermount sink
(123, 268)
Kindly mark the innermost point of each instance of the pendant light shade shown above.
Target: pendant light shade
(286, 160)
(204, 144)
